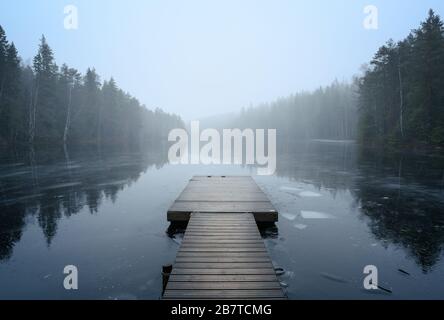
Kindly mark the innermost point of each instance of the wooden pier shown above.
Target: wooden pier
(222, 194)
(222, 255)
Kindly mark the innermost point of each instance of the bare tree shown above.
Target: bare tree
(68, 116)
(71, 79)
(33, 112)
(401, 96)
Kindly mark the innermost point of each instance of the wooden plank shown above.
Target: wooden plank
(193, 196)
(222, 259)
(217, 254)
(221, 224)
(214, 265)
(222, 230)
(237, 229)
(223, 294)
(209, 241)
(203, 177)
(204, 246)
(231, 234)
(219, 234)
(223, 249)
(189, 241)
(221, 206)
(223, 219)
(221, 278)
(225, 285)
(221, 215)
(208, 235)
(224, 222)
(238, 235)
(269, 271)
(226, 233)
(220, 238)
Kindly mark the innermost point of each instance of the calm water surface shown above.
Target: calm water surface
(341, 209)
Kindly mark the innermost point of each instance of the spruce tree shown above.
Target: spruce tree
(14, 111)
(47, 116)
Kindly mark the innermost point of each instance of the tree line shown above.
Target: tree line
(398, 101)
(46, 104)
(401, 94)
(326, 113)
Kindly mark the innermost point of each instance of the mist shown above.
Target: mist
(200, 59)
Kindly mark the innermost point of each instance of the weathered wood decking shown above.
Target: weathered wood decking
(222, 194)
(222, 255)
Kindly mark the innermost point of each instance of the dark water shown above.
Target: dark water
(341, 209)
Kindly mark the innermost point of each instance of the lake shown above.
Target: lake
(341, 209)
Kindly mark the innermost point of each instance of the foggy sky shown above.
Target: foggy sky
(201, 58)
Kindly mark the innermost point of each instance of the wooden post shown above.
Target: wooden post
(166, 271)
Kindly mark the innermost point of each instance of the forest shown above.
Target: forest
(327, 113)
(398, 101)
(401, 94)
(46, 104)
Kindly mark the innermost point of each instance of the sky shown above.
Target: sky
(200, 58)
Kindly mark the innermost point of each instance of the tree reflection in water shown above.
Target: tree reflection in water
(49, 184)
(401, 197)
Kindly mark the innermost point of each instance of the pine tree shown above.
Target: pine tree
(44, 113)
(69, 82)
(428, 50)
(12, 102)
(87, 122)
(3, 53)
